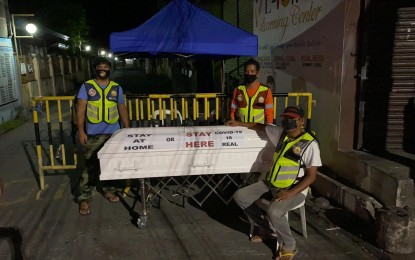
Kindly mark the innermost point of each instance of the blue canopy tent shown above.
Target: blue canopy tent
(182, 28)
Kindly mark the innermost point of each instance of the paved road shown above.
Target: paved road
(51, 228)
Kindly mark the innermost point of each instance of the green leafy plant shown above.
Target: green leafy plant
(10, 125)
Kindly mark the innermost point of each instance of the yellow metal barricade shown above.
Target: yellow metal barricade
(54, 151)
(304, 100)
(52, 115)
(199, 109)
(175, 109)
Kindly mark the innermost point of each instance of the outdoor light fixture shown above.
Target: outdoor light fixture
(56, 34)
(102, 53)
(63, 46)
(85, 48)
(109, 55)
(30, 28)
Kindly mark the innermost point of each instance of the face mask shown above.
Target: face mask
(289, 124)
(249, 78)
(102, 74)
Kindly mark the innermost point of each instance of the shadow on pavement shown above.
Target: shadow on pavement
(74, 176)
(14, 238)
(229, 215)
(133, 214)
(352, 224)
(29, 147)
(135, 209)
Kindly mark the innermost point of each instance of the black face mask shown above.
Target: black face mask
(102, 74)
(289, 124)
(249, 78)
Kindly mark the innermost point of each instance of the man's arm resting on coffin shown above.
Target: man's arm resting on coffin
(253, 126)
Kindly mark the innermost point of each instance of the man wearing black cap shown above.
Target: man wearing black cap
(100, 107)
(296, 159)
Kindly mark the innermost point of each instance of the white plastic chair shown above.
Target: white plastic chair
(264, 204)
(168, 113)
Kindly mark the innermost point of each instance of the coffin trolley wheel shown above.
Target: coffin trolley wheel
(149, 200)
(142, 222)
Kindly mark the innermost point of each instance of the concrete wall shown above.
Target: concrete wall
(333, 121)
(319, 55)
(62, 84)
(361, 204)
(3, 18)
(59, 85)
(9, 112)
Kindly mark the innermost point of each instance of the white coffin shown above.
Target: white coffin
(179, 151)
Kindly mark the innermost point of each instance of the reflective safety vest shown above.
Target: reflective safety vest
(288, 161)
(251, 109)
(102, 105)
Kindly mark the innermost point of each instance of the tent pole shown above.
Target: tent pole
(223, 77)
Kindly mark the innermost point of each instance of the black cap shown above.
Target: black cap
(101, 60)
(293, 111)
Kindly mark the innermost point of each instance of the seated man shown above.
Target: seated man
(296, 159)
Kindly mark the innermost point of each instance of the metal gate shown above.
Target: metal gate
(401, 115)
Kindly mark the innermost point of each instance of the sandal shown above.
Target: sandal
(255, 239)
(286, 255)
(84, 208)
(261, 234)
(110, 196)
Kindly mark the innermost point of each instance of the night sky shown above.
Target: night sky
(103, 17)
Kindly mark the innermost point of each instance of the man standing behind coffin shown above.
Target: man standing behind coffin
(100, 106)
(252, 103)
(296, 159)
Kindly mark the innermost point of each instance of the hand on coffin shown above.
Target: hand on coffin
(233, 122)
(250, 125)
